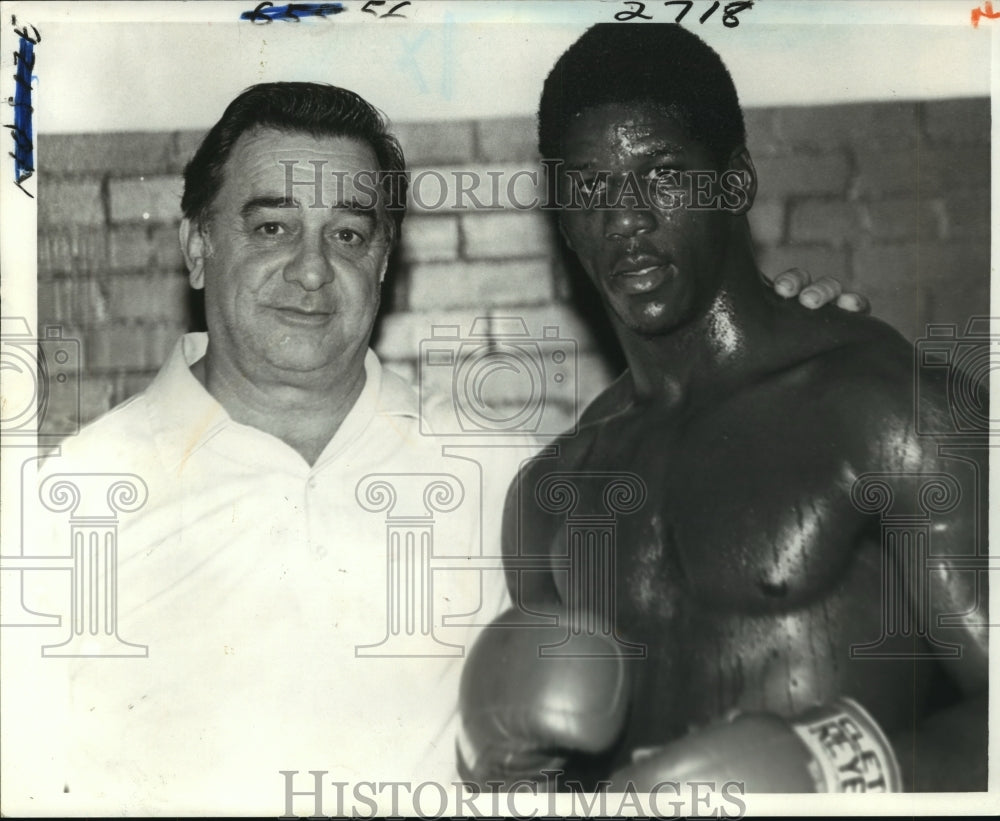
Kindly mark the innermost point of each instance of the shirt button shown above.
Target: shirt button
(312, 483)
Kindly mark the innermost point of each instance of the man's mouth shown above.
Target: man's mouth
(302, 316)
(639, 275)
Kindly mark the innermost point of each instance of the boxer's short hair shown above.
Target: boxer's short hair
(659, 63)
(317, 109)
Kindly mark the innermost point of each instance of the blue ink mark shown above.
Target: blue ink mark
(266, 12)
(22, 130)
(448, 57)
(408, 61)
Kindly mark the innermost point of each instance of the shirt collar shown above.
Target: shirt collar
(396, 396)
(185, 416)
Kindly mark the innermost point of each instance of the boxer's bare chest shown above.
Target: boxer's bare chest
(745, 505)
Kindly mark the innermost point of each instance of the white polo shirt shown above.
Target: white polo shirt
(297, 618)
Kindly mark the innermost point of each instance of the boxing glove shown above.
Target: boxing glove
(524, 711)
(834, 748)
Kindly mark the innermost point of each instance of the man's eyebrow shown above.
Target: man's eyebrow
(659, 148)
(655, 149)
(258, 203)
(367, 209)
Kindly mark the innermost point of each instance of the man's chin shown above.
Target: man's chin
(299, 358)
(651, 319)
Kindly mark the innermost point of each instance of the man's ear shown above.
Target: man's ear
(392, 246)
(194, 246)
(741, 162)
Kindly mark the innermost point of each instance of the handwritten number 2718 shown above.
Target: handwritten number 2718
(729, 18)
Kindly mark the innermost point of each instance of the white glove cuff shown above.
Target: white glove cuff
(850, 752)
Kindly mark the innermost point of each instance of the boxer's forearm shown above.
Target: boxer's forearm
(947, 751)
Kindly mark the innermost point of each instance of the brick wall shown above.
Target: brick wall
(891, 198)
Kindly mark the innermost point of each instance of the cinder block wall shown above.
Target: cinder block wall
(891, 198)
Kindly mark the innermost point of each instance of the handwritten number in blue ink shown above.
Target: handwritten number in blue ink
(22, 130)
(408, 62)
(26, 60)
(624, 16)
(448, 57)
(266, 11)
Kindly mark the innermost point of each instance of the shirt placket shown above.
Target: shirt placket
(317, 536)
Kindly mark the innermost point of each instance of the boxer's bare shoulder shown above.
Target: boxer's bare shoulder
(859, 385)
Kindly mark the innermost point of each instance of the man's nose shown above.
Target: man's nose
(310, 266)
(626, 221)
(630, 214)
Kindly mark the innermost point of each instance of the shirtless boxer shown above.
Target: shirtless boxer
(747, 574)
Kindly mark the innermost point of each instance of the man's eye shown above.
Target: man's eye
(664, 175)
(348, 236)
(270, 229)
(590, 184)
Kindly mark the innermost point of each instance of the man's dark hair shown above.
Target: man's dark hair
(317, 109)
(661, 63)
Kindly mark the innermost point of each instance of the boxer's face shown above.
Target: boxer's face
(656, 262)
(291, 290)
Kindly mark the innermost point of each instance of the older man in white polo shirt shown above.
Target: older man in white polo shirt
(296, 571)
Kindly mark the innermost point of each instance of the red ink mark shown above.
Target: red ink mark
(986, 11)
